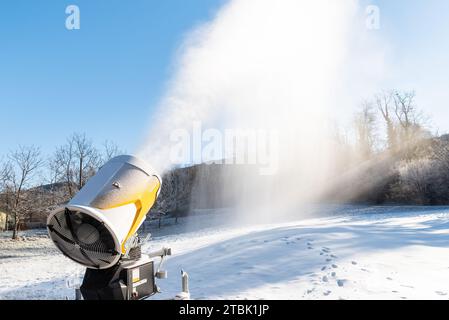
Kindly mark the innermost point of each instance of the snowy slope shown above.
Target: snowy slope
(355, 253)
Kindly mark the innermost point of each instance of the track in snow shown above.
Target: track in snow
(357, 253)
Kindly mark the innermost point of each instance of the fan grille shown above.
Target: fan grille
(83, 239)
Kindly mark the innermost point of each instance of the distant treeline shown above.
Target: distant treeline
(388, 155)
(395, 158)
(31, 185)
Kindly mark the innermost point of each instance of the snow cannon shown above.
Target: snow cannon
(98, 229)
(98, 226)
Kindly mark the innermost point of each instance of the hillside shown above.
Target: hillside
(350, 253)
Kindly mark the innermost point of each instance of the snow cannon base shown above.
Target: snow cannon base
(132, 278)
(129, 280)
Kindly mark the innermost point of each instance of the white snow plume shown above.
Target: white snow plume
(286, 69)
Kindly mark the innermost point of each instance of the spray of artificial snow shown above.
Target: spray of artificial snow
(285, 69)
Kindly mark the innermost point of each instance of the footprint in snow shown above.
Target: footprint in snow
(333, 256)
(334, 266)
(388, 278)
(410, 287)
(354, 263)
(341, 283)
(323, 268)
(328, 260)
(334, 274)
(327, 293)
(440, 293)
(325, 279)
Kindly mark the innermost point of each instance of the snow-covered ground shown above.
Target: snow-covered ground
(351, 253)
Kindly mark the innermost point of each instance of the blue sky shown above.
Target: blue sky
(103, 79)
(417, 34)
(106, 78)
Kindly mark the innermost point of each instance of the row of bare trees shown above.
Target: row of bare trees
(30, 184)
(77, 160)
(397, 112)
(394, 156)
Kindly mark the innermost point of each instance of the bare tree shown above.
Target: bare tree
(404, 122)
(365, 127)
(87, 158)
(384, 103)
(410, 120)
(111, 150)
(54, 171)
(59, 189)
(62, 166)
(5, 174)
(25, 162)
(405, 109)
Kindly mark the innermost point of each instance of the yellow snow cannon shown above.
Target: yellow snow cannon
(98, 226)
